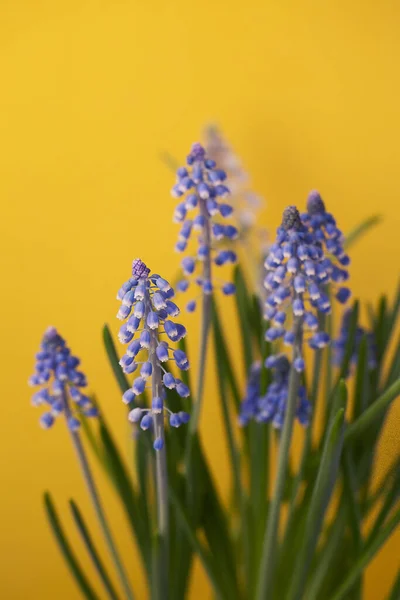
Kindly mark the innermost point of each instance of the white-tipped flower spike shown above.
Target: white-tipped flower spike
(149, 299)
(323, 225)
(297, 273)
(60, 383)
(200, 186)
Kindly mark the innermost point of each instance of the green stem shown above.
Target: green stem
(204, 337)
(161, 557)
(95, 498)
(269, 551)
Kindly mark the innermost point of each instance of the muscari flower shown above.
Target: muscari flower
(323, 225)
(61, 383)
(147, 310)
(297, 273)
(271, 407)
(246, 203)
(200, 186)
(340, 343)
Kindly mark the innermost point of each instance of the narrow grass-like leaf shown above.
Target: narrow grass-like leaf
(66, 550)
(372, 413)
(224, 357)
(395, 591)
(114, 360)
(125, 489)
(390, 500)
(366, 556)
(350, 498)
(394, 369)
(355, 234)
(244, 310)
(382, 488)
(350, 343)
(91, 548)
(326, 556)
(203, 554)
(91, 438)
(324, 484)
(234, 457)
(361, 387)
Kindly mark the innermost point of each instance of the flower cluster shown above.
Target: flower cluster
(297, 273)
(245, 202)
(201, 186)
(147, 309)
(60, 383)
(323, 226)
(340, 343)
(271, 407)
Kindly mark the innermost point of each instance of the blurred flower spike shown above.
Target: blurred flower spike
(60, 383)
(298, 272)
(271, 406)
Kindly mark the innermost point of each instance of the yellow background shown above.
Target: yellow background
(92, 92)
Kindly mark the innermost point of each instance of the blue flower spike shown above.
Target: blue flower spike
(150, 296)
(297, 273)
(60, 383)
(200, 186)
(271, 407)
(323, 226)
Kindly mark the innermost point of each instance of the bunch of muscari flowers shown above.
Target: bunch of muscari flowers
(298, 271)
(271, 406)
(246, 203)
(200, 185)
(147, 308)
(323, 226)
(340, 343)
(60, 381)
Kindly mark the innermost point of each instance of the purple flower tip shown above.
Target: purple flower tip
(315, 204)
(139, 269)
(291, 218)
(197, 152)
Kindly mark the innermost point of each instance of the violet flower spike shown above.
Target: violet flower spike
(201, 186)
(323, 226)
(60, 382)
(60, 389)
(271, 407)
(297, 273)
(148, 310)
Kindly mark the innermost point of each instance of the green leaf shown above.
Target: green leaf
(395, 591)
(366, 556)
(224, 357)
(390, 499)
(94, 555)
(114, 360)
(130, 501)
(326, 556)
(234, 457)
(66, 550)
(372, 413)
(350, 343)
(361, 388)
(362, 228)
(244, 311)
(204, 556)
(321, 495)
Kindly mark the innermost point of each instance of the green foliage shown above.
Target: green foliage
(315, 555)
